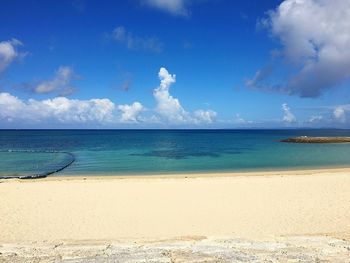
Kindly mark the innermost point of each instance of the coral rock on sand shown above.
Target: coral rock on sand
(287, 249)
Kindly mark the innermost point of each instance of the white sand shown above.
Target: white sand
(254, 205)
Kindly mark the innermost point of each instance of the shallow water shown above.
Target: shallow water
(165, 151)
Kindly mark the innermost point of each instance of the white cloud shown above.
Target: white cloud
(241, 121)
(315, 119)
(170, 109)
(59, 109)
(315, 37)
(204, 116)
(134, 42)
(174, 7)
(60, 83)
(11, 107)
(8, 52)
(130, 113)
(339, 114)
(168, 106)
(288, 116)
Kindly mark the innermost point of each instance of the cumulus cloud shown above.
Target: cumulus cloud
(170, 110)
(168, 106)
(9, 52)
(288, 116)
(59, 109)
(174, 7)
(204, 116)
(130, 113)
(60, 83)
(315, 37)
(134, 42)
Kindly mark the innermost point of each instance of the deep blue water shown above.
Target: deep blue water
(165, 151)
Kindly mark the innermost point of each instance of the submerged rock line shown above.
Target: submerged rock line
(43, 174)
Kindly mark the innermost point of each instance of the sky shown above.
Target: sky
(175, 64)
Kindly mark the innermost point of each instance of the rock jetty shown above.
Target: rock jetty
(307, 139)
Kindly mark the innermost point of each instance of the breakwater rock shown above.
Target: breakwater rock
(307, 139)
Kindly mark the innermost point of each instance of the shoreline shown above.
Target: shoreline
(181, 175)
(185, 175)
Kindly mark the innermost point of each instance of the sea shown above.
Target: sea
(154, 152)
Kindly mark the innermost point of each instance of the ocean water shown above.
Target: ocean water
(128, 152)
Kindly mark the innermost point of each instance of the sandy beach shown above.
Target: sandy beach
(250, 205)
(254, 206)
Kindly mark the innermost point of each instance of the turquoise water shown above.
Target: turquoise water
(128, 152)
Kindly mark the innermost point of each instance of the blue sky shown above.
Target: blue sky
(238, 64)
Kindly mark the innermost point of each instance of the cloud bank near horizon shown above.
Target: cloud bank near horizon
(167, 112)
(103, 112)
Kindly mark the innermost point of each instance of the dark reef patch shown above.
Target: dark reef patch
(175, 154)
(183, 154)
